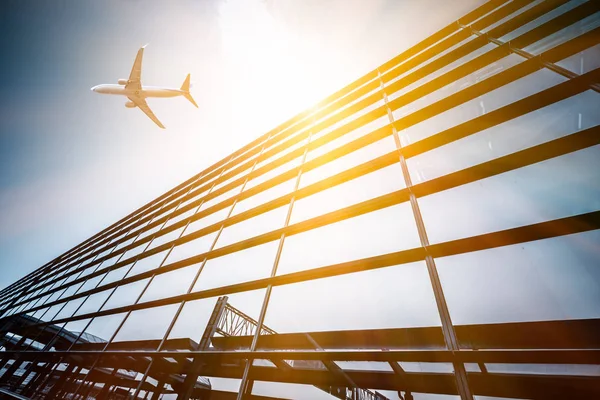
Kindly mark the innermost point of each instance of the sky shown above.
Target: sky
(73, 162)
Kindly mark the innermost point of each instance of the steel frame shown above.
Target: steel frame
(338, 115)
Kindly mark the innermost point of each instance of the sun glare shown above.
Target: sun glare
(277, 63)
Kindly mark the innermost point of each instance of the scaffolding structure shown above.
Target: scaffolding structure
(56, 337)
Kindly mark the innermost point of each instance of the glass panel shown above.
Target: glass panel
(192, 320)
(94, 302)
(208, 220)
(430, 98)
(512, 15)
(583, 62)
(273, 173)
(245, 265)
(264, 196)
(102, 328)
(158, 241)
(348, 161)
(401, 296)
(557, 120)
(91, 283)
(225, 384)
(255, 226)
(347, 138)
(380, 182)
(221, 197)
(491, 101)
(148, 324)
(114, 258)
(192, 248)
(351, 119)
(170, 284)
(552, 189)
(287, 149)
(149, 232)
(430, 60)
(125, 295)
(69, 309)
(131, 253)
(115, 275)
(564, 35)
(231, 179)
(541, 20)
(148, 263)
(384, 231)
(548, 279)
(73, 329)
(51, 313)
(182, 216)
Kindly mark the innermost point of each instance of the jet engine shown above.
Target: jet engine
(122, 82)
(130, 104)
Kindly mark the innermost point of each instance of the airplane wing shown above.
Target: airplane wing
(135, 77)
(142, 105)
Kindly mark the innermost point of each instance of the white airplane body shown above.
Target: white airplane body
(136, 93)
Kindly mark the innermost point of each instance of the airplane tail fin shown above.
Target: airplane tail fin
(185, 88)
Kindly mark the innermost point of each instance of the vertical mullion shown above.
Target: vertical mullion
(447, 326)
(201, 267)
(246, 384)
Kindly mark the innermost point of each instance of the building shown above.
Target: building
(430, 229)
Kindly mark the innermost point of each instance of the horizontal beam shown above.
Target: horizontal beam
(431, 356)
(511, 385)
(574, 142)
(565, 334)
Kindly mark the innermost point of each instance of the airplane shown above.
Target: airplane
(137, 94)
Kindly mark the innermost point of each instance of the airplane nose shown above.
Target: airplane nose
(93, 89)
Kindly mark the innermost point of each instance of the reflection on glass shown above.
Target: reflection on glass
(549, 279)
(491, 101)
(348, 161)
(263, 223)
(557, 120)
(147, 324)
(391, 297)
(378, 183)
(245, 265)
(557, 188)
(379, 232)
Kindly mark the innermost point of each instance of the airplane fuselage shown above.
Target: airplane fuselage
(137, 93)
(145, 92)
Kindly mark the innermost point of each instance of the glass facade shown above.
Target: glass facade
(429, 231)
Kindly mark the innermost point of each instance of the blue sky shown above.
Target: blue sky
(72, 162)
